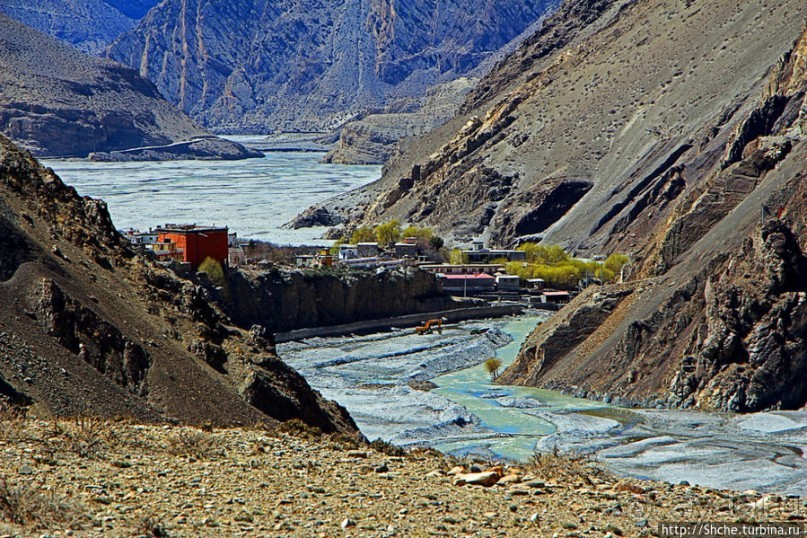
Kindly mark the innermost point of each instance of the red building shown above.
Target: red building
(194, 244)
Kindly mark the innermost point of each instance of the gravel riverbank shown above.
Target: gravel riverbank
(91, 479)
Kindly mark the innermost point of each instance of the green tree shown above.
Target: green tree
(362, 234)
(436, 242)
(334, 250)
(215, 272)
(388, 232)
(457, 257)
(545, 254)
(421, 233)
(615, 261)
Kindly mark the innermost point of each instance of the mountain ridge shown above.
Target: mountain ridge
(59, 102)
(87, 327)
(657, 129)
(88, 25)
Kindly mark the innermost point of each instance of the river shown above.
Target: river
(372, 377)
(253, 197)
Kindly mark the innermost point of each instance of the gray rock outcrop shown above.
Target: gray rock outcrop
(255, 67)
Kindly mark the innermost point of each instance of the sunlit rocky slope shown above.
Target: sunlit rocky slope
(656, 128)
(59, 102)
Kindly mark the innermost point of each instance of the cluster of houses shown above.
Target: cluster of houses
(476, 278)
(187, 246)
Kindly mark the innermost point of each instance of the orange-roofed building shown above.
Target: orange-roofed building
(193, 244)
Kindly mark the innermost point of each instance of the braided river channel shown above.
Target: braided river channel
(432, 390)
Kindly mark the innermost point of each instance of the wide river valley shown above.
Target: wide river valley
(380, 378)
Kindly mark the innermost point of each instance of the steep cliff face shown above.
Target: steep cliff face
(716, 314)
(284, 301)
(58, 102)
(614, 106)
(259, 66)
(88, 327)
(88, 25)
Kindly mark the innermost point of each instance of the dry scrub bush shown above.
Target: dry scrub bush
(194, 443)
(86, 436)
(12, 422)
(555, 465)
(150, 526)
(29, 506)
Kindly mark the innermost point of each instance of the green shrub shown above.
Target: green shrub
(362, 234)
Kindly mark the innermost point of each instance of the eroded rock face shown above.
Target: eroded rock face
(283, 301)
(283, 394)
(81, 331)
(249, 66)
(717, 318)
(642, 100)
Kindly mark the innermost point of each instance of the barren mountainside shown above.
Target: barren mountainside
(89, 327)
(259, 66)
(656, 128)
(59, 102)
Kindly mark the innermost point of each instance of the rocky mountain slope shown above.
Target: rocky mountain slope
(88, 25)
(259, 66)
(88, 327)
(655, 128)
(59, 102)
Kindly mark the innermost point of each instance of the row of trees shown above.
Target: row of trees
(548, 262)
(392, 232)
(560, 270)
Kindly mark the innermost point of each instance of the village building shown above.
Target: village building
(138, 238)
(479, 254)
(406, 249)
(192, 244)
(556, 297)
(463, 269)
(536, 285)
(348, 252)
(468, 284)
(508, 283)
(366, 250)
(323, 258)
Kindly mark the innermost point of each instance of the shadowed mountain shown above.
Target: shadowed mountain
(89, 327)
(88, 25)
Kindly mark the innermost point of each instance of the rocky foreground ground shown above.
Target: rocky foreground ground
(84, 477)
